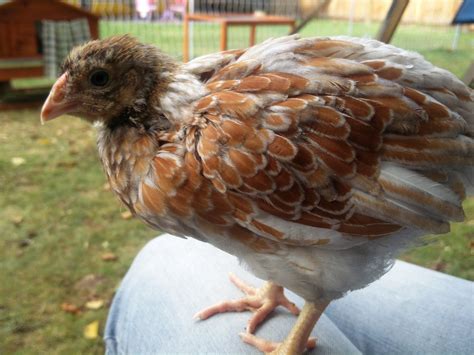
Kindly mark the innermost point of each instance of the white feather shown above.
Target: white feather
(411, 178)
(301, 233)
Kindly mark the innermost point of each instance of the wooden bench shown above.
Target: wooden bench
(227, 20)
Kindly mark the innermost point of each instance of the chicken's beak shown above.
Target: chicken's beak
(56, 104)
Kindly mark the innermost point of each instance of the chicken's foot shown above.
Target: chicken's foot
(261, 302)
(298, 340)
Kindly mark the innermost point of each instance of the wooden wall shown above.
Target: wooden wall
(438, 12)
(18, 30)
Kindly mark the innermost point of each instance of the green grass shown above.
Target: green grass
(57, 218)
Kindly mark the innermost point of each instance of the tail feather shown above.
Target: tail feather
(410, 187)
(399, 212)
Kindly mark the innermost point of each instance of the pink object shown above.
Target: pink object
(145, 7)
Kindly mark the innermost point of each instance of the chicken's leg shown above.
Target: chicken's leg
(298, 339)
(261, 301)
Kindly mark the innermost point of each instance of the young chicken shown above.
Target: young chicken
(315, 161)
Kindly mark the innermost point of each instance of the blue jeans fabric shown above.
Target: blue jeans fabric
(411, 310)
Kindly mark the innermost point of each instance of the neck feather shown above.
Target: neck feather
(126, 153)
(177, 102)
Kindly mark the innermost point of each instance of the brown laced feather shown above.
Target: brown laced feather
(273, 144)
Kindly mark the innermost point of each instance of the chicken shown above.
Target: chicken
(314, 161)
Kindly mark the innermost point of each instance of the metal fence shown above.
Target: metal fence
(161, 22)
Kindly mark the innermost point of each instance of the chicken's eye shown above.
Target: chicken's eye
(99, 78)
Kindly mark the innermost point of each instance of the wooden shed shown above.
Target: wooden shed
(20, 42)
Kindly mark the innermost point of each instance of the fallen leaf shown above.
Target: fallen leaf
(70, 308)
(440, 266)
(17, 219)
(66, 164)
(109, 257)
(126, 215)
(91, 330)
(44, 141)
(17, 161)
(95, 304)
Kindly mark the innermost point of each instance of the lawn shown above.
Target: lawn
(66, 239)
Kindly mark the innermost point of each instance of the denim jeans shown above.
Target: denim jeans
(411, 310)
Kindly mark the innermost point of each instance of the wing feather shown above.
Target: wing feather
(325, 142)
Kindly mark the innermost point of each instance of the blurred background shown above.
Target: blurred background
(66, 241)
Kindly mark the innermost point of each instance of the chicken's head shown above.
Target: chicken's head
(102, 79)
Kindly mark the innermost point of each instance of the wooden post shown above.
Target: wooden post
(223, 44)
(394, 15)
(293, 28)
(252, 34)
(186, 38)
(311, 16)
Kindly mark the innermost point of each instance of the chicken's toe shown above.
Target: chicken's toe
(267, 346)
(261, 301)
(225, 306)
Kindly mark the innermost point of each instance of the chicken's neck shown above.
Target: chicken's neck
(126, 151)
(129, 141)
